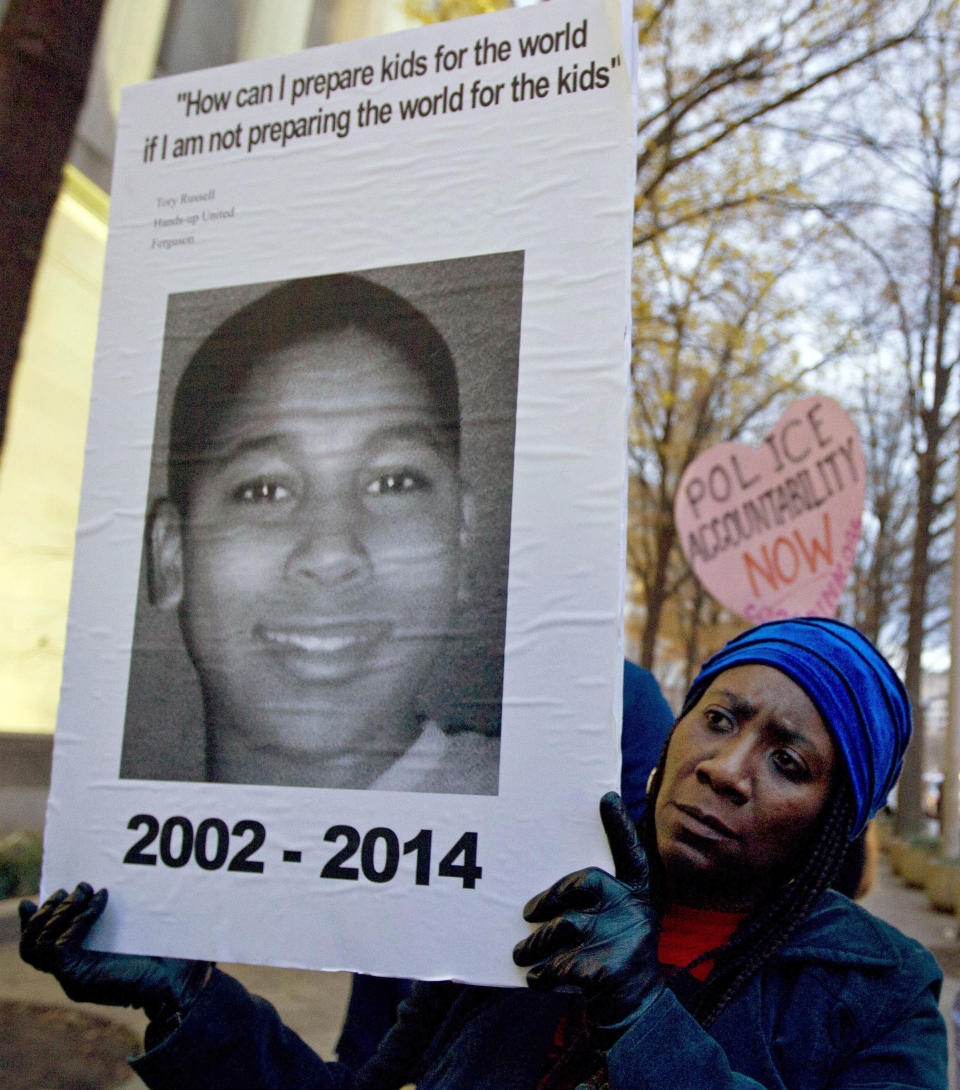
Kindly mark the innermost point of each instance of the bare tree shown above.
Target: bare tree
(908, 145)
(725, 330)
(709, 70)
(877, 600)
(727, 184)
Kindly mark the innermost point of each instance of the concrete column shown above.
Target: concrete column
(350, 19)
(269, 29)
(130, 37)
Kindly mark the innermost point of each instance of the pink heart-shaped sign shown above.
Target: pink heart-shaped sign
(772, 531)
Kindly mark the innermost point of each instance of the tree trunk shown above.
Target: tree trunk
(910, 817)
(656, 593)
(46, 47)
(692, 656)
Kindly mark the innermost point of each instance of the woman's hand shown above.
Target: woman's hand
(51, 939)
(599, 932)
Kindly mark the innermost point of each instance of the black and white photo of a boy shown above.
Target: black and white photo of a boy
(312, 541)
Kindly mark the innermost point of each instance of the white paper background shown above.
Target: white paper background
(551, 178)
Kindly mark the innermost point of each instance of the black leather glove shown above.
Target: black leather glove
(51, 939)
(599, 933)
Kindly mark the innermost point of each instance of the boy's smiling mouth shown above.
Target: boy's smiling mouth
(325, 641)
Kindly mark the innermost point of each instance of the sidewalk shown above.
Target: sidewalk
(910, 911)
(313, 1003)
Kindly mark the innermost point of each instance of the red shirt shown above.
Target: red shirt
(686, 933)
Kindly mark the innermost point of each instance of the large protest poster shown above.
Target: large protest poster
(346, 619)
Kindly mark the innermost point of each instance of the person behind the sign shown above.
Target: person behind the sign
(312, 540)
(715, 958)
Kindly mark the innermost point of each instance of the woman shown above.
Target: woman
(726, 963)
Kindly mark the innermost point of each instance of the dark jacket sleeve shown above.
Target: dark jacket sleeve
(906, 1044)
(898, 1045)
(670, 1048)
(230, 1039)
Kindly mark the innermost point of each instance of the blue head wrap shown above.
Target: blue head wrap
(859, 697)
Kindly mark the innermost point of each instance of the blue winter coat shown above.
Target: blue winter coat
(848, 1002)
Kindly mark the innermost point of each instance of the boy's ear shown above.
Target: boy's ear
(165, 555)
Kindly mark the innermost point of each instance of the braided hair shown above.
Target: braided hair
(771, 923)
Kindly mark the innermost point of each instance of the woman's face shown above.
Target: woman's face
(746, 776)
(320, 554)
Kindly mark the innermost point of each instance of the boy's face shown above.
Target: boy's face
(319, 561)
